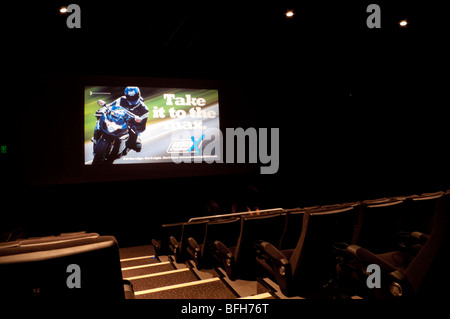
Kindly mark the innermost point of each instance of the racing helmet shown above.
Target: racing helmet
(133, 95)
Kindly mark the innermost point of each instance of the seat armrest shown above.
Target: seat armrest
(421, 238)
(411, 242)
(340, 250)
(193, 249)
(157, 246)
(268, 251)
(226, 257)
(223, 250)
(173, 244)
(128, 289)
(367, 258)
(193, 245)
(394, 285)
(155, 243)
(281, 268)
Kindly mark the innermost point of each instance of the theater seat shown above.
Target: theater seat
(292, 229)
(304, 270)
(223, 230)
(239, 261)
(69, 266)
(179, 245)
(403, 271)
(162, 245)
(378, 224)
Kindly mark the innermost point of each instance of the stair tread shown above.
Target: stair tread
(212, 288)
(146, 269)
(124, 263)
(172, 278)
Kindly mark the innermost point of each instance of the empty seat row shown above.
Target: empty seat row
(174, 238)
(231, 241)
(298, 247)
(307, 268)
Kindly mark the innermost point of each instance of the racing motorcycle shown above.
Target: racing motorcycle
(112, 133)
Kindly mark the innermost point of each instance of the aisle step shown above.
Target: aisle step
(147, 265)
(161, 279)
(137, 261)
(144, 250)
(145, 269)
(162, 273)
(212, 288)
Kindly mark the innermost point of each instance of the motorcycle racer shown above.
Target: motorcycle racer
(134, 103)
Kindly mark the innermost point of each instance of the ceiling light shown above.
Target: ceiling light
(289, 14)
(63, 10)
(403, 23)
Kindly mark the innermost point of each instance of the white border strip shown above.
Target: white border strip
(137, 258)
(146, 265)
(158, 274)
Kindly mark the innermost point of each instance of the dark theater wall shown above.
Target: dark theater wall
(361, 113)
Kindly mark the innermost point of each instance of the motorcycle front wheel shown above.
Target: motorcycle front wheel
(100, 151)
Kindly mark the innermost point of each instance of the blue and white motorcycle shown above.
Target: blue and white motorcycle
(111, 133)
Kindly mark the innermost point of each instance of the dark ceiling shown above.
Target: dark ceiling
(213, 39)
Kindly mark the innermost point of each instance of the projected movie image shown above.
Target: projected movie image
(136, 125)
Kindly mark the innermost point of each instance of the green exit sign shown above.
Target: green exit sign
(4, 149)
